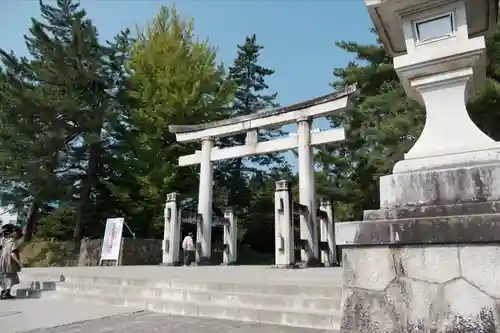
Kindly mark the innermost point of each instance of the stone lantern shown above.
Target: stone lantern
(429, 259)
(439, 55)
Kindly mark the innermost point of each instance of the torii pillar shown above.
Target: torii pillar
(307, 192)
(204, 236)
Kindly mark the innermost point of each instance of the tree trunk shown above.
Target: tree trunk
(233, 199)
(86, 190)
(30, 221)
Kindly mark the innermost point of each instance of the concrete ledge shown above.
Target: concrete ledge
(170, 264)
(204, 261)
(315, 262)
(234, 263)
(433, 211)
(479, 228)
(331, 264)
(286, 266)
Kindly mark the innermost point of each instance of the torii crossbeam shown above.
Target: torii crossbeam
(301, 113)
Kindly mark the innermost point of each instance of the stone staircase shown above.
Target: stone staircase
(32, 288)
(292, 304)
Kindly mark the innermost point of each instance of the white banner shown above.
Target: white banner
(112, 240)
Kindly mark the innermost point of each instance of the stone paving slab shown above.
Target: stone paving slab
(151, 322)
(20, 315)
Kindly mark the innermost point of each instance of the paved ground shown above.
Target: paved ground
(149, 322)
(21, 315)
(60, 316)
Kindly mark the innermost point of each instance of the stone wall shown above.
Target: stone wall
(137, 251)
(422, 289)
(50, 253)
(87, 253)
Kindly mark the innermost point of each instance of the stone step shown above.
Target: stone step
(298, 299)
(478, 228)
(470, 208)
(298, 318)
(26, 293)
(32, 289)
(262, 301)
(297, 289)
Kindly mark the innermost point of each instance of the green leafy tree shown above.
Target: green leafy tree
(257, 228)
(175, 79)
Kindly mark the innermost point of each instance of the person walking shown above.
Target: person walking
(188, 249)
(10, 263)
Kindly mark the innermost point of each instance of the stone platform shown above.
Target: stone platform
(303, 298)
(432, 265)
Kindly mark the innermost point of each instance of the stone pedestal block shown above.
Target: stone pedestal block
(422, 288)
(441, 187)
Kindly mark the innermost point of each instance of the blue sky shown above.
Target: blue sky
(298, 35)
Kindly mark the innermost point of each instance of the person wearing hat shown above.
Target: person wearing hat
(10, 261)
(5, 230)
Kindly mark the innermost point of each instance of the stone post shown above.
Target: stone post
(171, 231)
(327, 234)
(429, 259)
(307, 192)
(230, 237)
(204, 234)
(283, 226)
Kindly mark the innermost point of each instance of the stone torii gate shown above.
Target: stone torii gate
(302, 114)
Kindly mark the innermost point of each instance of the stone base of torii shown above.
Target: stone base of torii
(285, 244)
(172, 235)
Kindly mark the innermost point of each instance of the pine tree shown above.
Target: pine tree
(484, 107)
(383, 124)
(72, 59)
(72, 84)
(251, 96)
(33, 145)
